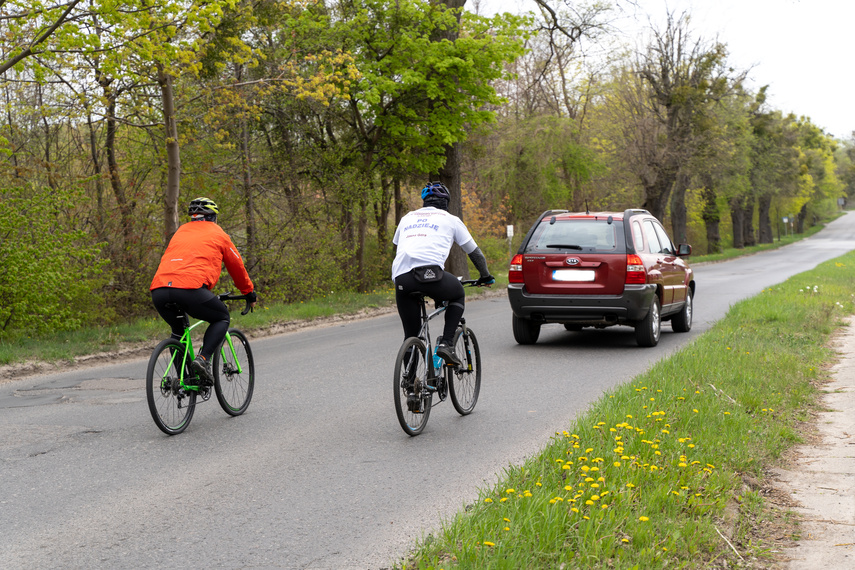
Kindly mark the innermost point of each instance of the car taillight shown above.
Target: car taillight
(635, 272)
(515, 273)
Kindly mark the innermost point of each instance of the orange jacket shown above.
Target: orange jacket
(194, 258)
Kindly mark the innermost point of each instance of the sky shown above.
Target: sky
(804, 50)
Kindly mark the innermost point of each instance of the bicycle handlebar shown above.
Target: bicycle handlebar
(229, 297)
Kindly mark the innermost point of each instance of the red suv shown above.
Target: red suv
(597, 270)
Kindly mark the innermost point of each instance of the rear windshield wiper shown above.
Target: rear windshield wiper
(564, 246)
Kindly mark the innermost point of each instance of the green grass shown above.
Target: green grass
(652, 475)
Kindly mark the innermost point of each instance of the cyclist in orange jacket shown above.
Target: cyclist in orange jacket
(189, 271)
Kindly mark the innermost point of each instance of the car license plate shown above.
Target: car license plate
(578, 275)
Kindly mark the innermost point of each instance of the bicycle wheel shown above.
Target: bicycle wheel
(464, 382)
(234, 373)
(170, 405)
(410, 375)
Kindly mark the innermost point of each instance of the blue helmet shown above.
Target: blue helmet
(435, 189)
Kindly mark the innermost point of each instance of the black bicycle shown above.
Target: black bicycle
(420, 374)
(172, 386)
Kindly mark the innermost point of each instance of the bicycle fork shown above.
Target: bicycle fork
(230, 366)
(467, 361)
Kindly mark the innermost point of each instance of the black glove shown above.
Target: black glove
(251, 297)
(488, 280)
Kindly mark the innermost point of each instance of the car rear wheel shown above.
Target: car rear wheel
(648, 329)
(525, 331)
(682, 321)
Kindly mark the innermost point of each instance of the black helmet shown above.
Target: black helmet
(203, 207)
(435, 189)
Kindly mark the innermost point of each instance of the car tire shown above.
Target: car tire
(572, 328)
(648, 330)
(525, 331)
(682, 321)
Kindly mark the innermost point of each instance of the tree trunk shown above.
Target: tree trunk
(173, 155)
(249, 206)
(656, 196)
(679, 231)
(400, 207)
(100, 214)
(800, 220)
(764, 222)
(711, 218)
(737, 215)
(362, 230)
(450, 176)
(381, 214)
(748, 224)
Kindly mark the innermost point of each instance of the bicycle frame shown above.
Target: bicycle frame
(424, 334)
(189, 354)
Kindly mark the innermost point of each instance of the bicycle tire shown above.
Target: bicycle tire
(170, 405)
(234, 388)
(464, 382)
(411, 422)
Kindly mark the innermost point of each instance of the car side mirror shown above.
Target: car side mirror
(684, 249)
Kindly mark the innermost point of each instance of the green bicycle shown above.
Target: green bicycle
(172, 387)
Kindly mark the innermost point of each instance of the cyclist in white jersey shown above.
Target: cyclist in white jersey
(424, 238)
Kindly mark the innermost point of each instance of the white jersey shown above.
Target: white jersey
(425, 236)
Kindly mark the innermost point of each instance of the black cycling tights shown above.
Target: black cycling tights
(200, 304)
(446, 289)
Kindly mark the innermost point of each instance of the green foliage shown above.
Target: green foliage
(300, 116)
(538, 164)
(51, 277)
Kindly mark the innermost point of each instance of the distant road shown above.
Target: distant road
(317, 474)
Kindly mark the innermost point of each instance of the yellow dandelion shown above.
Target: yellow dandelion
(643, 519)
(488, 500)
(486, 543)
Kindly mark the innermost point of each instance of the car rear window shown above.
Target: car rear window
(577, 235)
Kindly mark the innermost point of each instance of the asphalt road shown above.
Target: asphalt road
(317, 474)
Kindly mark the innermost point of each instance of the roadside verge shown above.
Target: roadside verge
(822, 477)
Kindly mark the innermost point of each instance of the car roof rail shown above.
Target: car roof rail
(629, 212)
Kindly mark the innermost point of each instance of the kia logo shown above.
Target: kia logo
(572, 261)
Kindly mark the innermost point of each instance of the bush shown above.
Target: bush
(49, 270)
